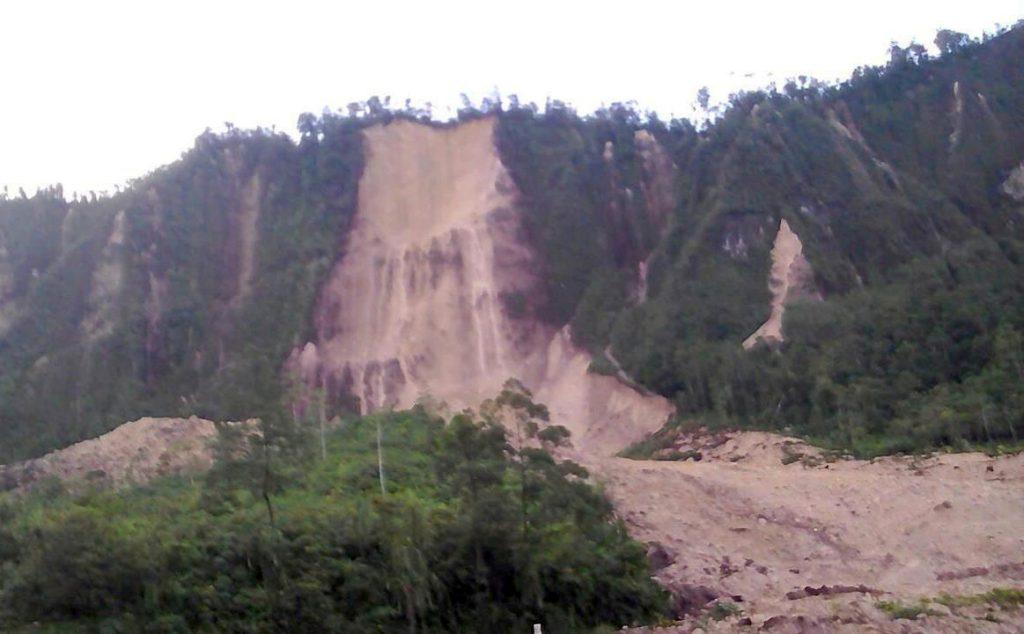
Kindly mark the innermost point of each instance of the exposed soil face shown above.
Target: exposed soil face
(814, 538)
(791, 279)
(415, 307)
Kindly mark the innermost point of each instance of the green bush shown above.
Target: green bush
(468, 535)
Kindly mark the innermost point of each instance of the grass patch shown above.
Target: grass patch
(994, 450)
(899, 610)
(660, 440)
(679, 456)
(719, 611)
(723, 610)
(1003, 598)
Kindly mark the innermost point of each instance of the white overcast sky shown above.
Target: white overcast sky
(96, 92)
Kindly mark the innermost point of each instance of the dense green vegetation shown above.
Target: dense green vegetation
(583, 208)
(179, 337)
(462, 532)
(897, 200)
(918, 344)
(891, 179)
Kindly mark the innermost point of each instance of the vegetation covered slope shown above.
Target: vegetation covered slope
(893, 181)
(155, 300)
(461, 532)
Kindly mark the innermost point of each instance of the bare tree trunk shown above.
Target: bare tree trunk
(322, 401)
(266, 484)
(380, 460)
(410, 609)
(984, 422)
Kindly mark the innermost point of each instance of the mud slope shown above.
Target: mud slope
(415, 307)
(740, 522)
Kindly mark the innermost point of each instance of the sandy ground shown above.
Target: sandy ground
(742, 524)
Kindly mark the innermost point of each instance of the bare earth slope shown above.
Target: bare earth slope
(740, 522)
(791, 278)
(415, 307)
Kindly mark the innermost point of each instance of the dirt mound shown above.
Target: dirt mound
(133, 453)
(749, 447)
(799, 537)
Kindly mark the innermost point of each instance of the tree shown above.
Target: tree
(703, 98)
(949, 42)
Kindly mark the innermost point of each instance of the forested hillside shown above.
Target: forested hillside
(154, 299)
(653, 241)
(463, 529)
(898, 182)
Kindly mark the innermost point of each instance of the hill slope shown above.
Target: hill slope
(187, 293)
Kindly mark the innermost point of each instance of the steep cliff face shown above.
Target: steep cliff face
(418, 304)
(414, 306)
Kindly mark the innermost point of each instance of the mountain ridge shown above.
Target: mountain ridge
(186, 293)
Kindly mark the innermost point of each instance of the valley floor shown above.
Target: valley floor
(764, 522)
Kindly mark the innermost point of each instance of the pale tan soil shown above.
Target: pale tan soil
(850, 614)
(415, 306)
(132, 453)
(741, 523)
(791, 277)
